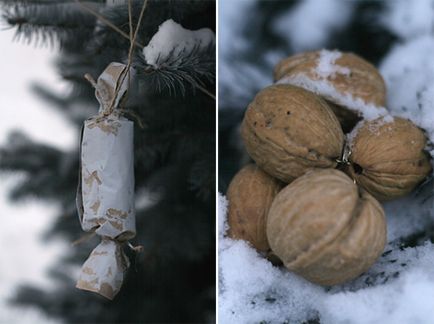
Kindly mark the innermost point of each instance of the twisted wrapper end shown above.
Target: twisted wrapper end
(112, 86)
(103, 272)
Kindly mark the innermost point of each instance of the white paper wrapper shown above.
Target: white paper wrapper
(105, 197)
(103, 273)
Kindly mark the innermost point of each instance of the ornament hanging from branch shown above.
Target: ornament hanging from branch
(105, 196)
(105, 199)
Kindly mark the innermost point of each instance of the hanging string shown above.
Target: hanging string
(126, 71)
(106, 21)
(125, 35)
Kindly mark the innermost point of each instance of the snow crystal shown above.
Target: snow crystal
(172, 39)
(326, 89)
(309, 25)
(326, 67)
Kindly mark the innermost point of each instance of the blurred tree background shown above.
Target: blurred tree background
(173, 280)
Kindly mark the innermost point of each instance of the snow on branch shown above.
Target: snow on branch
(176, 56)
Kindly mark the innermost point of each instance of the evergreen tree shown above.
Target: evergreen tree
(173, 280)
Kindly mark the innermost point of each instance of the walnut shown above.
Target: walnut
(388, 158)
(250, 195)
(326, 229)
(288, 130)
(340, 78)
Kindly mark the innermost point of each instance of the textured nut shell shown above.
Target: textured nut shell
(288, 130)
(323, 228)
(250, 195)
(364, 81)
(391, 157)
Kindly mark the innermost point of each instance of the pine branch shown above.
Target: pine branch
(193, 67)
(74, 106)
(50, 23)
(46, 169)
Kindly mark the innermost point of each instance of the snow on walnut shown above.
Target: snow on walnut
(326, 64)
(172, 39)
(327, 69)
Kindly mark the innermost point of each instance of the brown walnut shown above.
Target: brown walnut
(362, 81)
(250, 195)
(288, 130)
(388, 158)
(326, 229)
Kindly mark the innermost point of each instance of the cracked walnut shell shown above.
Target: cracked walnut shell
(388, 158)
(250, 195)
(288, 130)
(326, 229)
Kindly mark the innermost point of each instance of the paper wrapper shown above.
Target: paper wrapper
(105, 197)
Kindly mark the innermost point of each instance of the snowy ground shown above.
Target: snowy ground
(23, 257)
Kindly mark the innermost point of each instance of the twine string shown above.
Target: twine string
(106, 21)
(133, 37)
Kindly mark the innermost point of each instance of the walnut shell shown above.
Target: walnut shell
(288, 130)
(388, 158)
(250, 195)
(355, 76)
(326, 229)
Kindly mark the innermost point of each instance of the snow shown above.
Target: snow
(373, 127)
(172, 39)
(409, 74)
(310, 24)
(410, 19)
(326, 89)
(326, 67)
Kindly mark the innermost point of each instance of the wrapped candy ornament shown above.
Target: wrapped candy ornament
(105, 197)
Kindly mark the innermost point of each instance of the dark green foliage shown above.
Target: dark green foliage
(173, 280)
